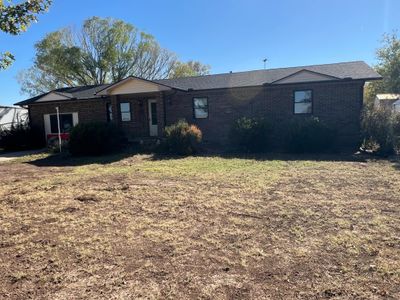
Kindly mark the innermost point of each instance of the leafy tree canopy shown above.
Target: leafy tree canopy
(191, 68)
(388, 66)
(102, 51)
(16, 18)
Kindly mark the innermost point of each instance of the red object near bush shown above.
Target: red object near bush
(64, 136)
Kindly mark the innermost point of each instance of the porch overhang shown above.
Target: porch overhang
(134, 85)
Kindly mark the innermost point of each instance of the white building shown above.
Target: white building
(10, 116)
(391, 101)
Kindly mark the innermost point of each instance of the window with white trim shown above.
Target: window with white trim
(125, 111)
(303, 102)
(66, 123)
(200, 108)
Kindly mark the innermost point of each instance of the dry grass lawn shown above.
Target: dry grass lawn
(199, 228)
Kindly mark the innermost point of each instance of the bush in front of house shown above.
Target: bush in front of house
(96, 138)
(181, 138)
(53, 144)
(251, 134)
(380, 130)
(309, 135)
(21, 137)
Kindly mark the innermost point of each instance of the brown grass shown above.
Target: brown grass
(209, 228)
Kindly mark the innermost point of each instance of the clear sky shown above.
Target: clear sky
(229, 35)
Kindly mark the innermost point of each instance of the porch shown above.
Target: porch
(138, 107)
(139, 115)
(135, 105)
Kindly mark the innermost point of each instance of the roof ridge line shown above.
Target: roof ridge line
(266, 70)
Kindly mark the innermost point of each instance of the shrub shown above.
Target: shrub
(250, 134)
(95, 138)
(21, 137)
(380, 130)
(309, 136)
(396, 131)
(182, 138)
(53, 144)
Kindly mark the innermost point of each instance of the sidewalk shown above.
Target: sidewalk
(14, 155)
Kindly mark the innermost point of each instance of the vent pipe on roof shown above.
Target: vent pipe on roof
(265, 62)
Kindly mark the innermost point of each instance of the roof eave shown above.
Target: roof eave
(372, 78)
(58, 101)
(274, 83)
(23, 103)
(111, 86)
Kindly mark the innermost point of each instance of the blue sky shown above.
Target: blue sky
(229, 35)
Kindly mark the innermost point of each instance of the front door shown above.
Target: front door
(153, 121)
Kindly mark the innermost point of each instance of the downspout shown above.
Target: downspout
(362, 95)
(28, 120)
(164, 111)
(29, 115)
(165, 105)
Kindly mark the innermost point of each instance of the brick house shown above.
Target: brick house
(331, 92)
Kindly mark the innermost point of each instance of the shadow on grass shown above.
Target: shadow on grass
(66, 160)
(345, 157)
(396, 163)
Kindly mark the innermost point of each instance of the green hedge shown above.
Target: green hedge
(95, 138)
(251, 134)
(381, 130)
(309, 135)
(21, 137)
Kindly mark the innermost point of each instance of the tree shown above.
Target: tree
(191, 68)
(15, 19)
(388, 66)
(102, 51)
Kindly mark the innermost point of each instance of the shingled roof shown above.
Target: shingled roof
(356, 70)
(353, 70)
(70, 93)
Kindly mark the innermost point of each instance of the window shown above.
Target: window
(66, 123)
(109, 112)
(153, 107)
(303, 102)
(200, 108)
(125, 111)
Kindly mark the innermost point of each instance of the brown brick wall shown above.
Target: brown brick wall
(337, 104)
(95, 110)
(139, 125)
(88, 110)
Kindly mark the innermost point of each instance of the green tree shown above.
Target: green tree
(16, 18)
(102, 51)
(191, 68)
(388, 66)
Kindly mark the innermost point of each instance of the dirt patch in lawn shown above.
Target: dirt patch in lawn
(209, 228)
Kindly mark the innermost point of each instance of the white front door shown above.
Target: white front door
(153, 117)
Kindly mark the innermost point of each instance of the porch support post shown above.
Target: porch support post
(161, 115)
